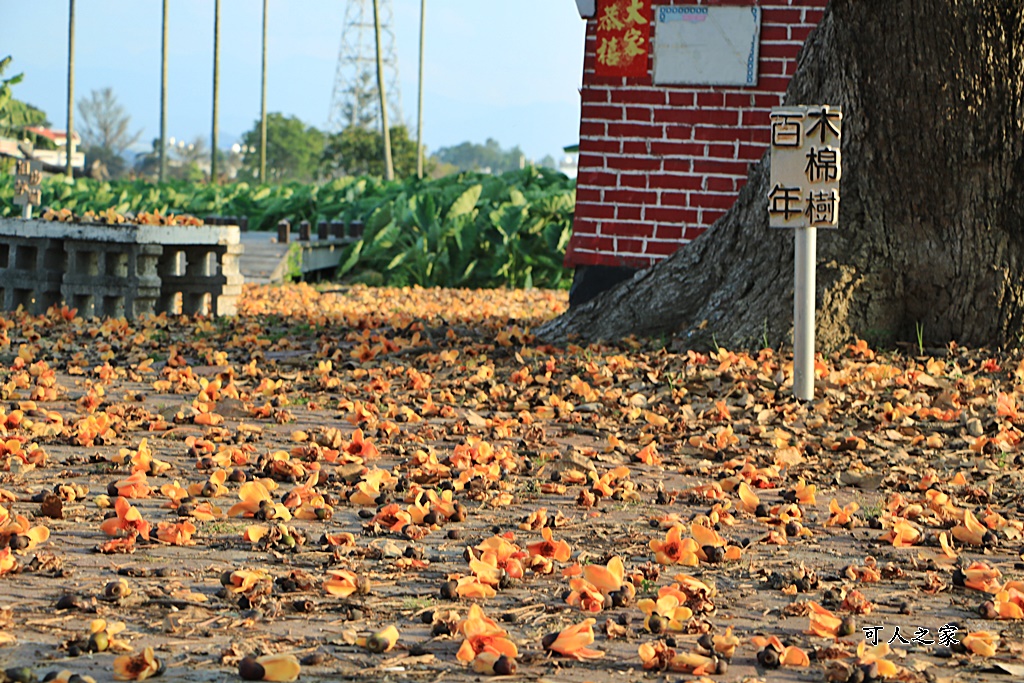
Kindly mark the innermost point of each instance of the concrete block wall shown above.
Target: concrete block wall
(119, 271)
(659, 164)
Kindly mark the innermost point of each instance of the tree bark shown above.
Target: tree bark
(931, 227)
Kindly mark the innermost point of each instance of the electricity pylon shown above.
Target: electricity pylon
(354, 101)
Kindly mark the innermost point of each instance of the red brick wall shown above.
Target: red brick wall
(659, 164)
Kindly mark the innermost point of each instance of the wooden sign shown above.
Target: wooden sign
(623, 38)
(26, 185)
(806, 166)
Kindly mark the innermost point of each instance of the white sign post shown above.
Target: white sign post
(805, 171)
(26, 186)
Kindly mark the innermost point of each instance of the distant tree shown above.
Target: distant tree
(357, 151)
(105, 129)
(16, 115)
(489, 156)
(293, 150)
(548, 162)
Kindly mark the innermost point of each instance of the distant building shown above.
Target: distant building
(664, 151)
(54, 160)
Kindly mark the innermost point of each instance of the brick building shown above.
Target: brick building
(659, 164)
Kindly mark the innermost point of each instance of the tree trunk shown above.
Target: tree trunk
(931, 227)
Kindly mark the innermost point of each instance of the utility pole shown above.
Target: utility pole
(69, 145)
(163, 100)
(216, 89)
(419, 108)
(263, 103)
(389, 169)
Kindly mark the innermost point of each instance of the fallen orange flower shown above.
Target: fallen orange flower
(823, 622)
(341, 583)
(558, 550)
(135, 486)
(176, 533)
(675, 550)
(981, 643)
(971, 531)
(841, 516)
(482, 635)
(128, 521)
(137, 667)
(572, 642)
(876, 655)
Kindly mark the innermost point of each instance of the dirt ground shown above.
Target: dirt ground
(452, 397)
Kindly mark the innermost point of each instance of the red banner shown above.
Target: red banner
(623, 37)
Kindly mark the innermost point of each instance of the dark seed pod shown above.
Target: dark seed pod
(440, 628)
(313, 659)
(768, 658)
(856, 675)
(225, 578)
(454, 534)
(656, 624)
(721, 665)
(20, 674)
(303, 606)
(847, 628)
(707, 641)
(549, 640)
(251, 670)
(792, 528)
(620, 598)
(18, 542)
(99, 642)
(116, 589)
(506, 581)
(958, 577)
(431, 519)
(365, 513)
(427, 617)
(237, 476)
(70, 602)
(323, 514)
(870, 672)
(112, 490)
(505, 666)
(450, 590)
(714, 553)
(761, 510)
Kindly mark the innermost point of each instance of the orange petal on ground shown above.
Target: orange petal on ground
(705, 535)
(748, 499)
(280, 667)
(572, 641)
(794, 656)
(341, 583)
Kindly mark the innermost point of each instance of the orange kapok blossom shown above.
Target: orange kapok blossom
(176, 533)
(1009, 602)
(8, 562)
(875, 654)
(279, 667)
(823, 622)
(572, 642)
(558, 550)
(135, 486)
(585, 595)
(675, 550)
(137, 667)
(903, 534)
(341, 583)
(982, 577)
(482, 635)
(506, 554)
(607, 578)
(748, 499)
(981, 643)
(667, 607)
(242, 580)
(971, 531)
(841, 516)
(128, 521)
(472, 587)
(789, 655)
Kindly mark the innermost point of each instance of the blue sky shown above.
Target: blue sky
(507, 70)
